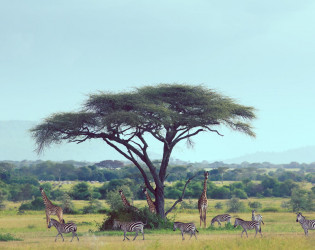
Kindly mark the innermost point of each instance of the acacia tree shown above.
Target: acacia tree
(169, 113)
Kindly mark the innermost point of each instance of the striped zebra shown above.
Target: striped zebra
(129, 227)
(248, 225)
(69, 227)
(186, 228)
(257, 217)
(221, 218)
(306, 224)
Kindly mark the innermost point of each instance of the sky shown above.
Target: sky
(261, 53)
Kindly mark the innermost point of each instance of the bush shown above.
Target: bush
(153, 221)
(67, 205)
(255, 205)
(36, 204)
(218, 205)
(94, 207)
(270, 209)
(235, 205)
(8, 237)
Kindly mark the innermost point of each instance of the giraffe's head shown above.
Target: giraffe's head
(120, 191)
(144, 190)
(206, 174)
(41, 189)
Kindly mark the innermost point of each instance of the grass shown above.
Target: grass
(8, 237)
(279, 232)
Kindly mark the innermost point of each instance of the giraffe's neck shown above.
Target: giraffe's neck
(149, 200)
(204, 192)
(124, 199)
(47, 202)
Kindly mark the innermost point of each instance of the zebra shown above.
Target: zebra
(129, 227)
(306, 224)
(257, 217)
(220, 218)
(186, 228)
(69, 227)
(248, 225)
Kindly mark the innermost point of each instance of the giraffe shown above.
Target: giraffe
(125, 201)
(203, 202)
(51, 209)
(152, 207)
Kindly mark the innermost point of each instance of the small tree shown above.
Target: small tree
(67, 205)
(235, 205)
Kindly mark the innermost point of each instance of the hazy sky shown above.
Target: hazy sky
(262, 53)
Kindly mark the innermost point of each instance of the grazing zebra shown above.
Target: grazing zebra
(248, 225)
(69, 227)
(257, 217)
(50, 208)
(220, 218)
(129, 227)
(306, 224)
(203, 202)
(186, 228)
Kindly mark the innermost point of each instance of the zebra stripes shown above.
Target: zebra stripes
(221, 218)
(186, 228)
(64, 228)
(129, 227)
(257, 217)
(306, 224)
(248, 225)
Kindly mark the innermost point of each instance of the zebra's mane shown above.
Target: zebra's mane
(239, 219)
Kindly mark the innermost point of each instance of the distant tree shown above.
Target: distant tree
(81, 191)
(169, 113)
(234, 205)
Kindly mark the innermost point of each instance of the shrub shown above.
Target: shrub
(190, 204)
(153, 221)
(94, 207)
(270, 209)
(8, 237)
(218, 205)
(255, 204)
(36, 204)
(114, 199)
(235, 205)
(67, 205)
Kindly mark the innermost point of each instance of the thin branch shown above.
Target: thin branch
(214, 130)
(180, 199)
(186, 136)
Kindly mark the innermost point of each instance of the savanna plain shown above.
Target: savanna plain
(279, 232)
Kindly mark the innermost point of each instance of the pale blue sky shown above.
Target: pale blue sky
(262, 53)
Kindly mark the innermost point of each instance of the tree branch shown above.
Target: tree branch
(180, 199)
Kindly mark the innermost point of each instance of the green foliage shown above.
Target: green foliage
(153, 221)
(8, 237)
(302, 200)
(81, 191)
(94, 207)
(218, 205)
(235, 205)
(36, 204)
(67, 205)
(190, 204)
(255, 204)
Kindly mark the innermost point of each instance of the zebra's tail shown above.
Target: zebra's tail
(196, 230)
(146, 222)
(262, 222)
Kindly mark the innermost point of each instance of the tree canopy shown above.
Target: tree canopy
(168, 112)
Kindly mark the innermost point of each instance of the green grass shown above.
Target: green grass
(8, 237)
(279, 232)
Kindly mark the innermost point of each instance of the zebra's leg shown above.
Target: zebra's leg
(72, 236)
(246, 233)
(256, 233)
(195, 235)
(191, 233)
(136, 235)
(242, 233)
(62, 237)
(219, 223)
(142, 233)
(77, 236)
(182, 235)
(56, 237)
(306, 232)
(125, 236)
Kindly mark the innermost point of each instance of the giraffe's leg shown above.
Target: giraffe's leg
(205, 217)
(47, 219)
(201, 219)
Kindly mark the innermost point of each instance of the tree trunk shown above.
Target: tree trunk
(159, 200)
